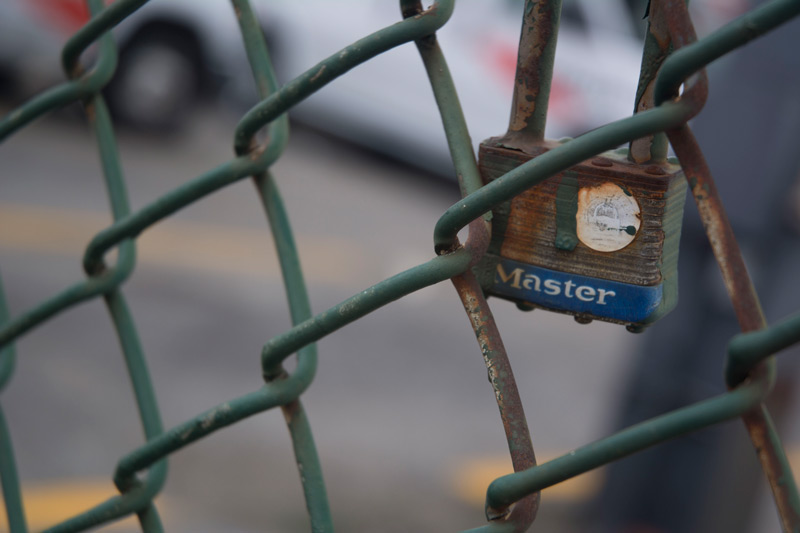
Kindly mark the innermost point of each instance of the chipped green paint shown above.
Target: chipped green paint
(511, 500)
(566, 212)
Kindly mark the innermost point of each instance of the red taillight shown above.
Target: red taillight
(65, 16)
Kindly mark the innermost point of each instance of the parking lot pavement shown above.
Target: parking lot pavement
(406, 425)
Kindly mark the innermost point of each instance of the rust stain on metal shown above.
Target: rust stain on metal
(522, 513)
(416, 11)
(91, 114)
(726, 250)
(756, 423)
(289, 411)
(658, 27)
(538, 23)
(679, 24)
(316, 76)
(256, 150)
(655, 170)
(745, 303)
(720, 234)
(480, 234)
(640, 148)
(601, 162)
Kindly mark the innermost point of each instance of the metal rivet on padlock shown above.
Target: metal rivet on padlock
(598, 241)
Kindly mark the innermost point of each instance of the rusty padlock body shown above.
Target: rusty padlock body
(598, 241)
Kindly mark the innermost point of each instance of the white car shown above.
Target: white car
(388, 104)
(172, 52)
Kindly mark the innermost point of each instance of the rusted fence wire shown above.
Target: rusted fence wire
(512, 500)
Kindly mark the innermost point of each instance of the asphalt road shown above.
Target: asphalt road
(404, 419)
(403, 416)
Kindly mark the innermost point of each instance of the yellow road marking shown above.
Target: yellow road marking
(472, 477)
(234, 250)
(180, 244)
(47, 504)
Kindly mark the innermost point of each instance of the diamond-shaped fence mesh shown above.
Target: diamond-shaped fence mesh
(676, 84)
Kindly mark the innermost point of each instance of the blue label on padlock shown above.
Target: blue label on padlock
(575, 293)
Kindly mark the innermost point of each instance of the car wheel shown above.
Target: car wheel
(157, 81)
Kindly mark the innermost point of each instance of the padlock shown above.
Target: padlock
(598, 241)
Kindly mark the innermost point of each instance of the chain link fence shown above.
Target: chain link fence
(674, 80)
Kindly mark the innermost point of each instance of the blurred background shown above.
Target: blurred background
(405, 423)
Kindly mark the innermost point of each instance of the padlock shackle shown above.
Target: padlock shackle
(657, 47)
(534, 74)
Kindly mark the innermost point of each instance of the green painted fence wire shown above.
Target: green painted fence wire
(746, 349)
(510, 488)
(141, 474)
(305, 451)
(339, 63)
(9, 477)
(446, 96)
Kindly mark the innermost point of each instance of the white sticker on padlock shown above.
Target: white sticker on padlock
(608, 217)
